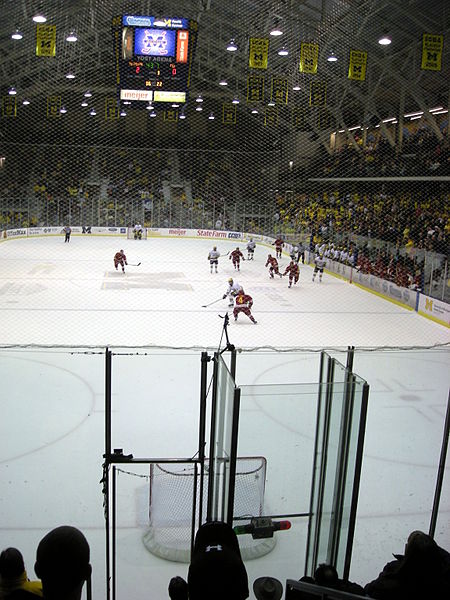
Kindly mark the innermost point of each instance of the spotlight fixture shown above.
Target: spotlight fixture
(182, 116)
(123, 113)
(223, 81)
(199, 98)
(211, 116)
(92, 112)
(63, 110)
(235, 100)
(12, 91)
(26, 102)
(276, 30)
(87, 94)
(232, 47)
(39, 17)
(70, 75)
(384, 40)
(296, 87)
(283, 51)
(17, 34)
(72, 37)
(332, 57)
(153, 114)
(254, 111)
(84, 103)
(175, 105)
(149, 106)
(199, 108)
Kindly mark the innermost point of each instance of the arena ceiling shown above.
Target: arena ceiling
(395, 81)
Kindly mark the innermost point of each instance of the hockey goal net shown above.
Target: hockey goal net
(170, 508)
(133, 234)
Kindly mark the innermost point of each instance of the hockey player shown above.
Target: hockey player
(137, 231)
(67, 231)
(232, 291)
(243, 303)
(319, 264)
(251, 249)
(120, 259)
(278, 243)
(273, 268)
(235, 257)
(294, 272)
(213, 258)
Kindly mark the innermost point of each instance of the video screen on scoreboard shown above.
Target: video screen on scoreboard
(154, 42)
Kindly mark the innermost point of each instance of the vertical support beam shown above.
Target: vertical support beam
(106, 457)
(233, 456)
(441, 470)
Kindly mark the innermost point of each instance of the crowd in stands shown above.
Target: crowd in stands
(217, 571)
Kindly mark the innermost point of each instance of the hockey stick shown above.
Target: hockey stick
(132, 265)
(205, 305)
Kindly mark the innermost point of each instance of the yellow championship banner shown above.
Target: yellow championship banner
(318, 93)
(258, 53)
(111, 109)
(228, 114)
(45, 40)
(324, 119)
(309, 58)
(171, 115)
(299, 118)
(53, 106)
(432, 46)
(271, 116)
(279, 90)
(357, 65)
(255, 88)
(9, 106)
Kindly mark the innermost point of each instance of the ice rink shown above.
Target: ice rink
(61, 304)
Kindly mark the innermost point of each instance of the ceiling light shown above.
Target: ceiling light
(127, 102)
(276, 31)
(149, 106)
(39, 18)
(199, 98)
(153, 114)
(232, 47)
(271, 103)
(235, 100)
(175, 105)
(123, 113)
(92, 112)
(296, 87)
(17, 35)
(384, 40)
(158, 22)
(254, 111)
(63, 110)
(441, 112)
(87, 94)
(211, 116)
(182, 116)
(418, 113)
(199, 109)
(283, 51)
(223, 81)
(84, 103)
(332, 57)
(12, 91)
(70, 75)
(26, 102)
(72, 37)
(435, 109)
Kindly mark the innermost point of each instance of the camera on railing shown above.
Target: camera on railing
(262, 527)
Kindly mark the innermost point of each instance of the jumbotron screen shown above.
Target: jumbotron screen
(154, 57)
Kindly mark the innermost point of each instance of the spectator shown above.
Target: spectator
(423, 572)
(178, 589)
(13, 575)
(62, 563)
(267, 588)
(327, 576)
(217, 570)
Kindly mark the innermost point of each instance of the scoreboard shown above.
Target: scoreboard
(153, 57)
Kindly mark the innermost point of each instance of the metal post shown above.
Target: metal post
(114, 529)
(106, 469)
(233, 455)
(441, 470)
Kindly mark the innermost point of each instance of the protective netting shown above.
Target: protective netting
(171, 495)
(349, 158)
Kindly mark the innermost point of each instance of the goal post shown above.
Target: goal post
(132, 234)
(171, 490)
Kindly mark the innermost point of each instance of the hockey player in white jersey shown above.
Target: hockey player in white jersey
(137, 231)
(319, 264)
(251, 249)
(233, 289)
(213, 258)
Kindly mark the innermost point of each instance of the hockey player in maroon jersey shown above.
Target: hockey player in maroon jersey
(273, 268)
(243, 303)
(278, 243)
(294, 272)
(120, 259)
(235, 257)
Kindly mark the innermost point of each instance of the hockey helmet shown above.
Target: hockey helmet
(214, 247)
(230, 280)
(121, 251)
